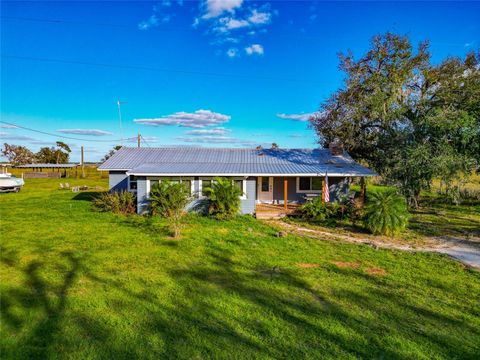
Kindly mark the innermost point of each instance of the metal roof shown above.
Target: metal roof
(55, 166)
(240, 162)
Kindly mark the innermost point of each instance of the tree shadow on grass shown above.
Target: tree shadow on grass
(220, 304)
(47, 298)
(87, 195)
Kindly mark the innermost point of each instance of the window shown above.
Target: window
(265, 184)
(305, 183)
(133, 183)
(239, 184)
(205, 184)
(316, 183)
(152, 182)
(309, 184)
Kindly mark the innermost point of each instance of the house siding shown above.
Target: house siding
(142, 201)
(117, 181)
(200, 205)
(338, 186)
(247, 206)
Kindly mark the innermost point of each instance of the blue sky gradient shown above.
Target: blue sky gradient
(65, 64)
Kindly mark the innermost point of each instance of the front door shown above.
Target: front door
(265, 189)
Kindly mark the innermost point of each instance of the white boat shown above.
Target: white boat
(9, 182)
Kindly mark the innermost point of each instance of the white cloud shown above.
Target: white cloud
(232, 52)
(214, 131)
(259, 17)
(215, 8)
(216, 140)
(226, 24)
(297, 117)
(3, 133)
(90, 132)
(197, 119)
(7, 126)
(254, 49)
(6, 136)
(152, 21)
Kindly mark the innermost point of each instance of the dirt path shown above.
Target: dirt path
(464, 250)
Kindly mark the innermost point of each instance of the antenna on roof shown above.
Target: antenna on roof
(119, 103)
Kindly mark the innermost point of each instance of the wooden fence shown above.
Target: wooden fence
(41, 175)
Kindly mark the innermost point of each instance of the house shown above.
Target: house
(266, 176)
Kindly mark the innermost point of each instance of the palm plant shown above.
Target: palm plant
(168, 199)
(224, 198)
(385, 213)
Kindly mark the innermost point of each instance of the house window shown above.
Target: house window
(309, 184)
(205, 184)
(188, 182)
(265, 184)
(133, 183)
(239, 184)
(305, 183)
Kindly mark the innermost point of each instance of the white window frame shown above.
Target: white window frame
(200, 186)
(191, 179)
(128, 184)
(308, 191)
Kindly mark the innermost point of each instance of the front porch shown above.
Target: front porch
(271, 211)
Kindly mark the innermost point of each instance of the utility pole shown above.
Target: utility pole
(138, 139)
(83, 169)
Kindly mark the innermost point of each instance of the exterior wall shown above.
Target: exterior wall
(338, 186)
(278, 194)
(117, 181)
(142, 201)
(247, 206)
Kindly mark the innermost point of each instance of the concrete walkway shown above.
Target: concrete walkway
(466, 251)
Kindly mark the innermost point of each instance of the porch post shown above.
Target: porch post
(285, 193)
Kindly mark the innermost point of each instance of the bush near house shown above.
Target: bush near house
(117, 202)
(168, 199)
(224, 198)
(317, 210)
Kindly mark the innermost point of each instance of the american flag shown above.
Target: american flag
(326, 192)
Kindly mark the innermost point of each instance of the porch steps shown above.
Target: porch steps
(270, 211)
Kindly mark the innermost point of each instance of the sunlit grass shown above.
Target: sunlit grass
(86, 285)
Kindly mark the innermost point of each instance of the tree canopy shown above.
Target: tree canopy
(410, 120)
(18, 155)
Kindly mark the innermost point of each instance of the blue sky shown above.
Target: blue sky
(209, 73)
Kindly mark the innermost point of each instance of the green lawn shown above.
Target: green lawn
(83, 285)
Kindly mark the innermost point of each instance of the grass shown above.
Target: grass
(84, 285)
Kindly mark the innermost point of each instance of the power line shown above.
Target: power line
(147, 68)
(145, 141)
(59, 136)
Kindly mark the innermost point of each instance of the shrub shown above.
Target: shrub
(116, 202)
(224, 198)
(385, 213)
(317, 210)
(168, 199)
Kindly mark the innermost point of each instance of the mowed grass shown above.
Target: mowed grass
(78, 284)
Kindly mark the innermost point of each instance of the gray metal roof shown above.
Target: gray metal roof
(241, 162)
(55, 166)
